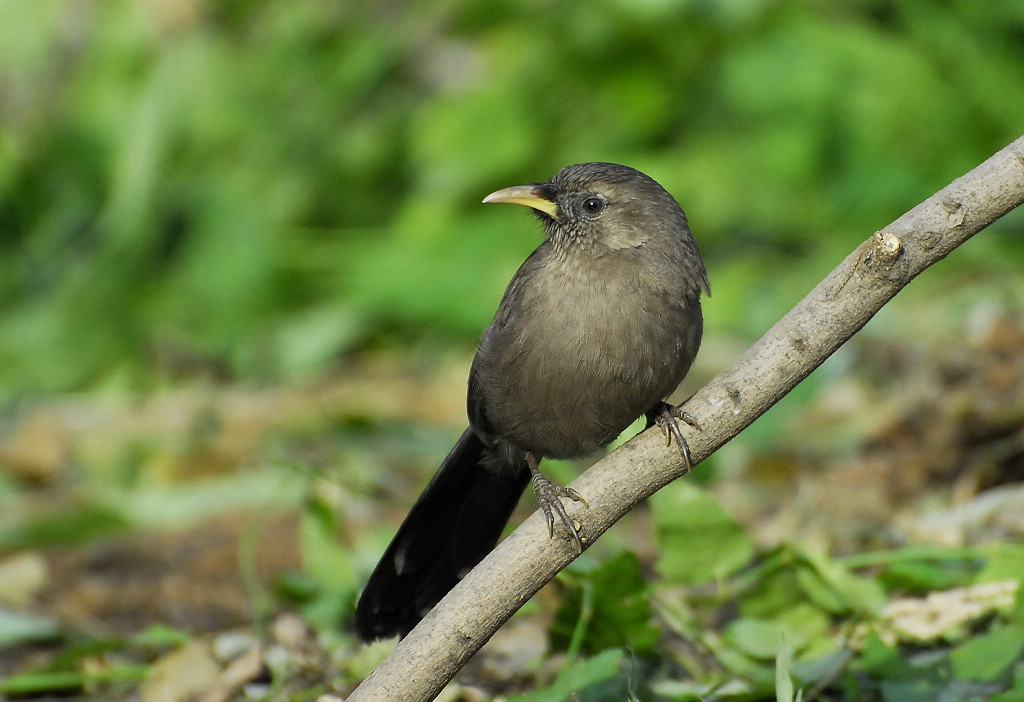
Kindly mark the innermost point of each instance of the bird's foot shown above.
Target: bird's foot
(548, 496)
(666, 417)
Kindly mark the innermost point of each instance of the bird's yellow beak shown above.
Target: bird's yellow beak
(524, 195)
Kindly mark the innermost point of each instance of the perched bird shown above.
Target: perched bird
(596, 328)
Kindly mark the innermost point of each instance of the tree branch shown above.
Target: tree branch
(423, 663)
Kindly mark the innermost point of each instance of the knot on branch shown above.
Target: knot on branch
(885, 250)
(888, 244)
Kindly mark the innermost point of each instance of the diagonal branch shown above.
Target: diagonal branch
(832, 312)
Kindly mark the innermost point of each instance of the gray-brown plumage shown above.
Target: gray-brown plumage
(596, 328)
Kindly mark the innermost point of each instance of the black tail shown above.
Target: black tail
(453, 525)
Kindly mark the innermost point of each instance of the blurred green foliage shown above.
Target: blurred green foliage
(272, 185)
(259, 189)
(604, 606)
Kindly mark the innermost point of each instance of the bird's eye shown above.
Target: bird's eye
(593, 205)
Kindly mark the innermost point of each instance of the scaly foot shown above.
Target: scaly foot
(548, 494)
(666, 416)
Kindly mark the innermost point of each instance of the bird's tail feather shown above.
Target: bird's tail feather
(453, 525)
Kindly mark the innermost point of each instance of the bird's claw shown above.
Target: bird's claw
(666, 417)
(548, 494)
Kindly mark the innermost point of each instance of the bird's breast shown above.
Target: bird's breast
(588, 351)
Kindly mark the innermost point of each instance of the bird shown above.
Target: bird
(597, 328)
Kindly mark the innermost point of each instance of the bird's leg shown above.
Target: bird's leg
(666, 417)
(548, 494)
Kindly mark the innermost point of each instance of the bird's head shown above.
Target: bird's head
(599, 207)
(595, 209)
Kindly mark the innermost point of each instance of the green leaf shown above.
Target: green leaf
(578, 676)
(922, 577)
(773, 586)
(783, 680)
(605, 608)
(699, 541)
(1016, 692)
(835, 588)
(331, 582)
(42, 682)
(758, 638)
(159, 636)
(989, 657)
(1004, 562)
(914, 690)
(68, 526)
(323, 557)
(881, 660)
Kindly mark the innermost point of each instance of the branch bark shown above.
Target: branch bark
(423, 663)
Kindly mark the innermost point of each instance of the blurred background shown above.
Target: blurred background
(244, 265)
